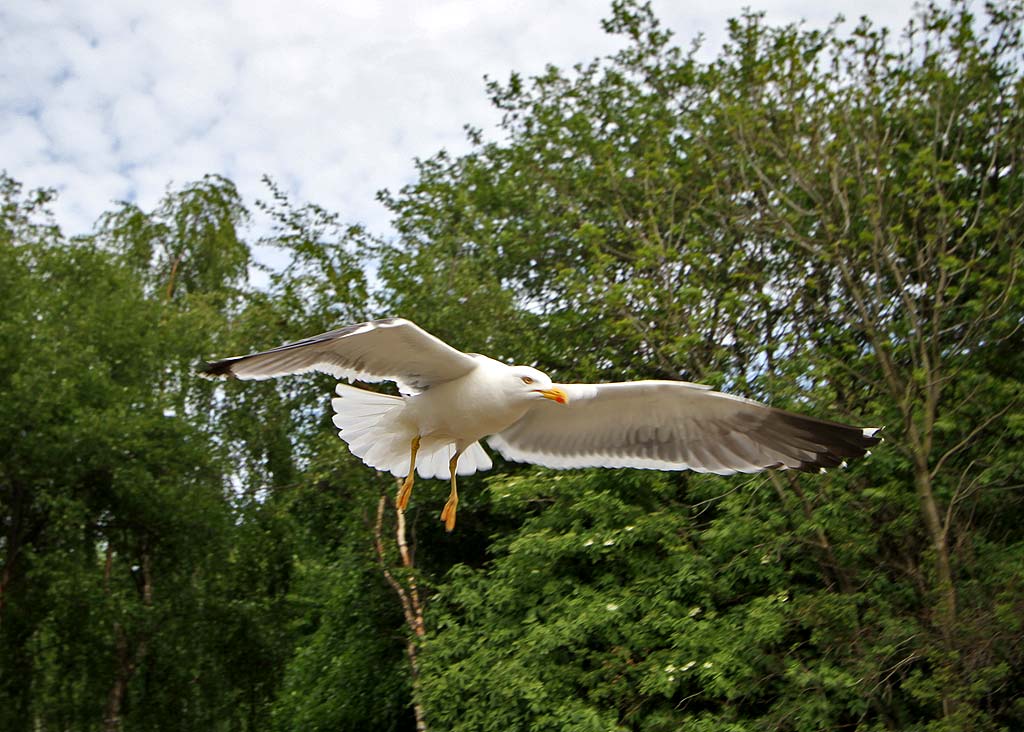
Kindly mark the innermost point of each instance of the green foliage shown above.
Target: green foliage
(645, 601)
(328, 683)
(119, 550)
(826, 222)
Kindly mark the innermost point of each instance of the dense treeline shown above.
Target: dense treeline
(827, 221)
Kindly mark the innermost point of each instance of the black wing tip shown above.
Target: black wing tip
(822, 462)
(840, 441)
(217, 369)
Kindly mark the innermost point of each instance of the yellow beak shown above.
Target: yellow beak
(554, 394)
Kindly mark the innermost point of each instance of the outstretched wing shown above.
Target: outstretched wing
(674, 425)
(380, 350)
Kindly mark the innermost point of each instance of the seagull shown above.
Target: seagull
(451, 400)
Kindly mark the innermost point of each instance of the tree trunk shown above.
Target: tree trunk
(408, 595)
(127, 659)
(112, 717)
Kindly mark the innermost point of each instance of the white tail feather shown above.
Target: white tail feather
(369, 423)
(433, 463)
(474, 459)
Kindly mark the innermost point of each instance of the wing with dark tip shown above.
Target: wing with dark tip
(380, 350)
(675, 425)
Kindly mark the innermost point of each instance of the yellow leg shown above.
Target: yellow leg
(406, 491)
(448, 514)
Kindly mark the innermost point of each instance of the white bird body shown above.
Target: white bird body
(449, 418)
(451, 400)
(468, 408)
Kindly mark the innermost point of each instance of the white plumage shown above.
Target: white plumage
(451, 400)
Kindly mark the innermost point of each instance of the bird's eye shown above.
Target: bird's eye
(527, 380)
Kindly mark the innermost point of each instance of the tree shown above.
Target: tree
(896, 176)
(812, 217)
(121, 557)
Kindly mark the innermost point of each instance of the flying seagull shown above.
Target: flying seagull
(451, 400)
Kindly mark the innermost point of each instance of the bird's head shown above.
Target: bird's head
(534, 384)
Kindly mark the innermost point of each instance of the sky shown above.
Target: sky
(333, 99)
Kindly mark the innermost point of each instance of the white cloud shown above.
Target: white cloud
(22, 141)
(76, 128)
(140, 128)
(332, 98)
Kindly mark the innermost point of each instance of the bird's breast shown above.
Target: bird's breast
(464, 410)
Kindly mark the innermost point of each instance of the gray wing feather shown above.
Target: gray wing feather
(394, 349)
(675, 425)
